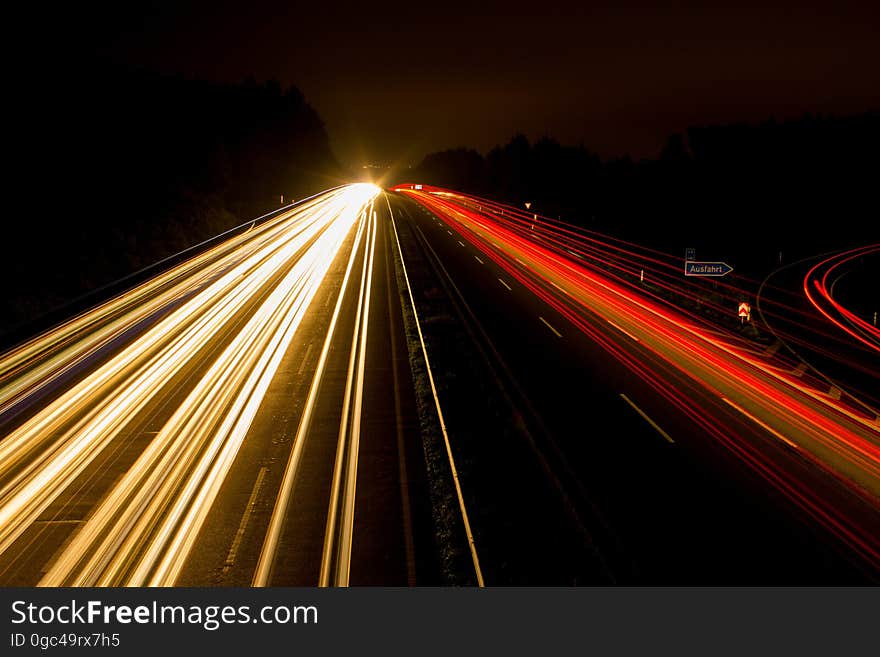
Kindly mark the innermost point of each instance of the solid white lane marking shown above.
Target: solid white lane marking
(505, 284)
(760, 423)
(478, 260)
(622, 330)
(549, 326)
(646, 418)
(464, 515)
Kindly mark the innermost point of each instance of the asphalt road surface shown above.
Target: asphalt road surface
(389, 389)
(149, 441)
(665, 498)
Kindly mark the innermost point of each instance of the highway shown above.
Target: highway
(233, 420)
(423, 388)
(748, 464)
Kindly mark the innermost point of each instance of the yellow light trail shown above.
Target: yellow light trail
(254, 289)
(269, 552)
(50, 354)
(336, 557)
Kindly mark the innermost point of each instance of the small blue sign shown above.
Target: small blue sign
(693, 268)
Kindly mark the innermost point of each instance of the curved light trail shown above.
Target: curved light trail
(820, 293)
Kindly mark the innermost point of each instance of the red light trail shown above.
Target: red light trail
(715, 377)
(818, 291)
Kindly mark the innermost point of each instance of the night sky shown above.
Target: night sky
(394, 81)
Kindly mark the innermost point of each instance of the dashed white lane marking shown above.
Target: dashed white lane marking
(245, 518)
(623, 330)
(305, 359)
(478, 260)
(760, 423)
(549, 326)
(646, 418)
(505, 284)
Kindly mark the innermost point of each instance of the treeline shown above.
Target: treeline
(114, 171)
(742, 192)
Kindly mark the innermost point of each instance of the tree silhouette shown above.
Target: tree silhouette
(117, 170)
